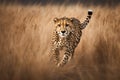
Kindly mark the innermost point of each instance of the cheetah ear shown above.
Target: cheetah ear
(55, 20)
(71, 19)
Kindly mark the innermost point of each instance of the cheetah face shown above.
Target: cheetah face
(63, 26)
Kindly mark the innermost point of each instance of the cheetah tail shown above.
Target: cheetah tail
(86, 21)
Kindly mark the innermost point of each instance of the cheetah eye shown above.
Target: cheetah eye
(58, 25)
(67, 25)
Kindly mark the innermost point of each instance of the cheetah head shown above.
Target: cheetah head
(63, 26)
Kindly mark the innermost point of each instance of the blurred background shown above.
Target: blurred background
(25, 32)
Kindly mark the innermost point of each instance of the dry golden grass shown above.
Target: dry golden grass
(25, 33)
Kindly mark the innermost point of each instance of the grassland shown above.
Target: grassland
(25, 33)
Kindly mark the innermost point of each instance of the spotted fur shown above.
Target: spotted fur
(66, 37)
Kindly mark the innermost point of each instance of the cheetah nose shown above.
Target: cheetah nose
(63, 31)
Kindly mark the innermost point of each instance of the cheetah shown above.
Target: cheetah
(66, 37)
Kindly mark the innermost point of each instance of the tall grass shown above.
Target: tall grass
(25, 33)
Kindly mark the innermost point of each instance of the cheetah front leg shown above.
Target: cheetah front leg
(55, 56)
(67, 56)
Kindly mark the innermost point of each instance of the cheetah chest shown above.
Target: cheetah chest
(62, 43)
